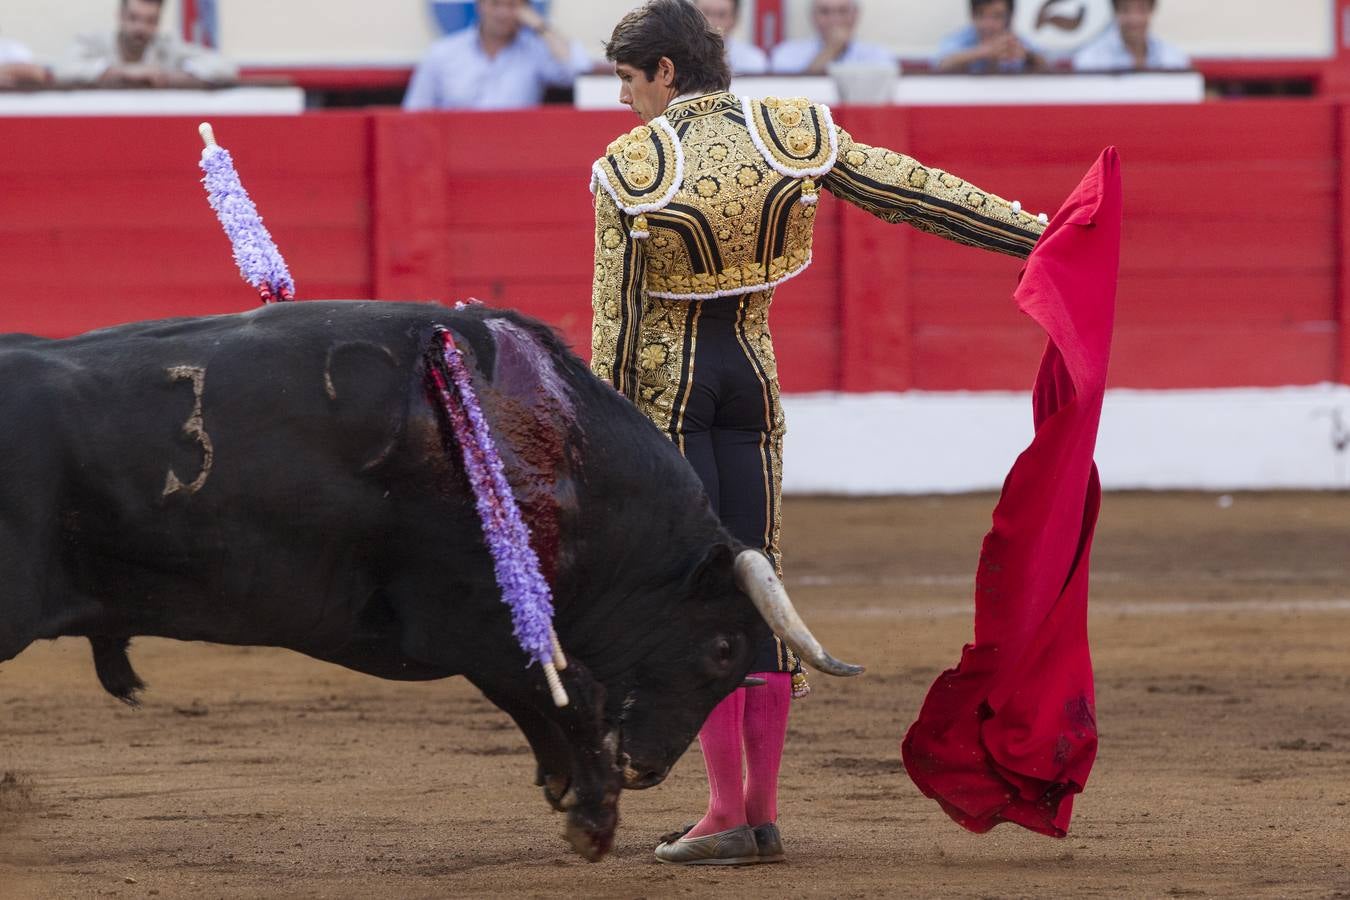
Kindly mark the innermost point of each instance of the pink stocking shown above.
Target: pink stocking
(721, 743)
(766, 716)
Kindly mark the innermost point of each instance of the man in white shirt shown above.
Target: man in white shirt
(138, 55)
(988, 44)
(1128, 45)
(745, 58)
(506, 61)
(17, 68)
(835, 22)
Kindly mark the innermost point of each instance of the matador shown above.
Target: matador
(700, 214)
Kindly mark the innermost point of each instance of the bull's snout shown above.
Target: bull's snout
(638, 777)
(637, 780)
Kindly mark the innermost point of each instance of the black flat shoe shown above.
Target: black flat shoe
(770, 843)
(733, 847)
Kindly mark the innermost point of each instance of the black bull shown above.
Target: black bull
(280, 478)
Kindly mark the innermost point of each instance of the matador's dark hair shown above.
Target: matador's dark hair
(677, 30)
(977, 5)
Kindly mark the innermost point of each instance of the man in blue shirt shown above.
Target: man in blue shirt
(835, 21)
(987, 44)
(1128, 45)
(506, 61)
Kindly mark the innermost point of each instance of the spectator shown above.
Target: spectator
(745, 58)
(987, 44)
(506, 61)
(835, 22)
(17, 68)
(139, 55)
(1128, 45)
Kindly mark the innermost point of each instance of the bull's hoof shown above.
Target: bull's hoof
(592, 836)
(557, 792)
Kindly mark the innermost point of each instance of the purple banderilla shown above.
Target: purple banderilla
(514, 561)
(259, 260)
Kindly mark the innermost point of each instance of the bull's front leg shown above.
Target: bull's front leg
(592, 803)
(576, 756)
(552, 757)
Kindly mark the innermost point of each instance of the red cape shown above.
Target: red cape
(1010, 734)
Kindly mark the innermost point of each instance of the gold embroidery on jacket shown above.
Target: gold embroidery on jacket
(616, 297)
(795, 132)
(702, 106)
(735, 225)
(640, 167)
(898, 188)
(665, 359)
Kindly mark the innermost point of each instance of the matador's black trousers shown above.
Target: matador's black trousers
(721, 408)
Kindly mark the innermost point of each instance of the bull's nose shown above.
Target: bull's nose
(640, 779)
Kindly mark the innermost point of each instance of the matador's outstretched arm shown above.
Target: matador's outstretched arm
(898, 188)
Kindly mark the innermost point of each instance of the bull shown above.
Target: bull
(281, 478)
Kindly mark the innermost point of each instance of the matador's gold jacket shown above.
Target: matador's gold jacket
(717, 199)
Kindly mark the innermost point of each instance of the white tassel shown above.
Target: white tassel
(809, 199)
(639, 235)
(1043, 219)
(555, 686)
(1017, 207)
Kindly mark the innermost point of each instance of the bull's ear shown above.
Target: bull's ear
(717, 565)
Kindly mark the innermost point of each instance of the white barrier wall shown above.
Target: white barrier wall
(919, 443)
(363, 32)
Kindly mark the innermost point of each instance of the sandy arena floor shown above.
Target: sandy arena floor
(1222, 645)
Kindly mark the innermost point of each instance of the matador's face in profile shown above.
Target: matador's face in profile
(648, 97)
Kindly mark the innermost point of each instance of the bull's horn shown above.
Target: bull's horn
(755, 576)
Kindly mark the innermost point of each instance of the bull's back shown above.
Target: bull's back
(260, 403)
(266, 477)
(217, 466)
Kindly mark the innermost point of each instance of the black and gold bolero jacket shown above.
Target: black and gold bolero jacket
(717, 198)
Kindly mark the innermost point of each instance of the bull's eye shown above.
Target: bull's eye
(720, 656)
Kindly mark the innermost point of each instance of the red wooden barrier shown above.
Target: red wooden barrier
(1235, 268)
(1228, 266)
(105, 220)
(1341, 234)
